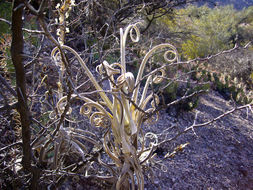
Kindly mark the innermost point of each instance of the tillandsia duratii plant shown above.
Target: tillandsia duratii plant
(123, 112)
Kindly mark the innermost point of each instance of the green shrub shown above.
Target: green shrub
(5, 12)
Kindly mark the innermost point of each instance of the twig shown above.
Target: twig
(5, 83)
(33, 10)
(19, 143)
(9, 106)
(6, 21)
(194, 125)
(24, 29)
(33, 31)
(236, 47)
(186, 97)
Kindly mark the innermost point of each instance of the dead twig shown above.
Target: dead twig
(194, 125)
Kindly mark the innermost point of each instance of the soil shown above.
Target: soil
(219, 156)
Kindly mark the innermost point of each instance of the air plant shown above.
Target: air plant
(123, 112)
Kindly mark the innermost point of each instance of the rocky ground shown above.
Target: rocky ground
(219, 156)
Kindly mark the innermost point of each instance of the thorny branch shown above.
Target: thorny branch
(127, 165)
(236, 47)
(24, 29)
(5, 83)
(194, 125)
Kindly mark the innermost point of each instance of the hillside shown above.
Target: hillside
(238, 4)
(126, 95)
(218, 156)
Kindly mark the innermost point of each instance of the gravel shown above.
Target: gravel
(219, 156)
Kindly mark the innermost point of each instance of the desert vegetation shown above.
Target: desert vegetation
(81, 81)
